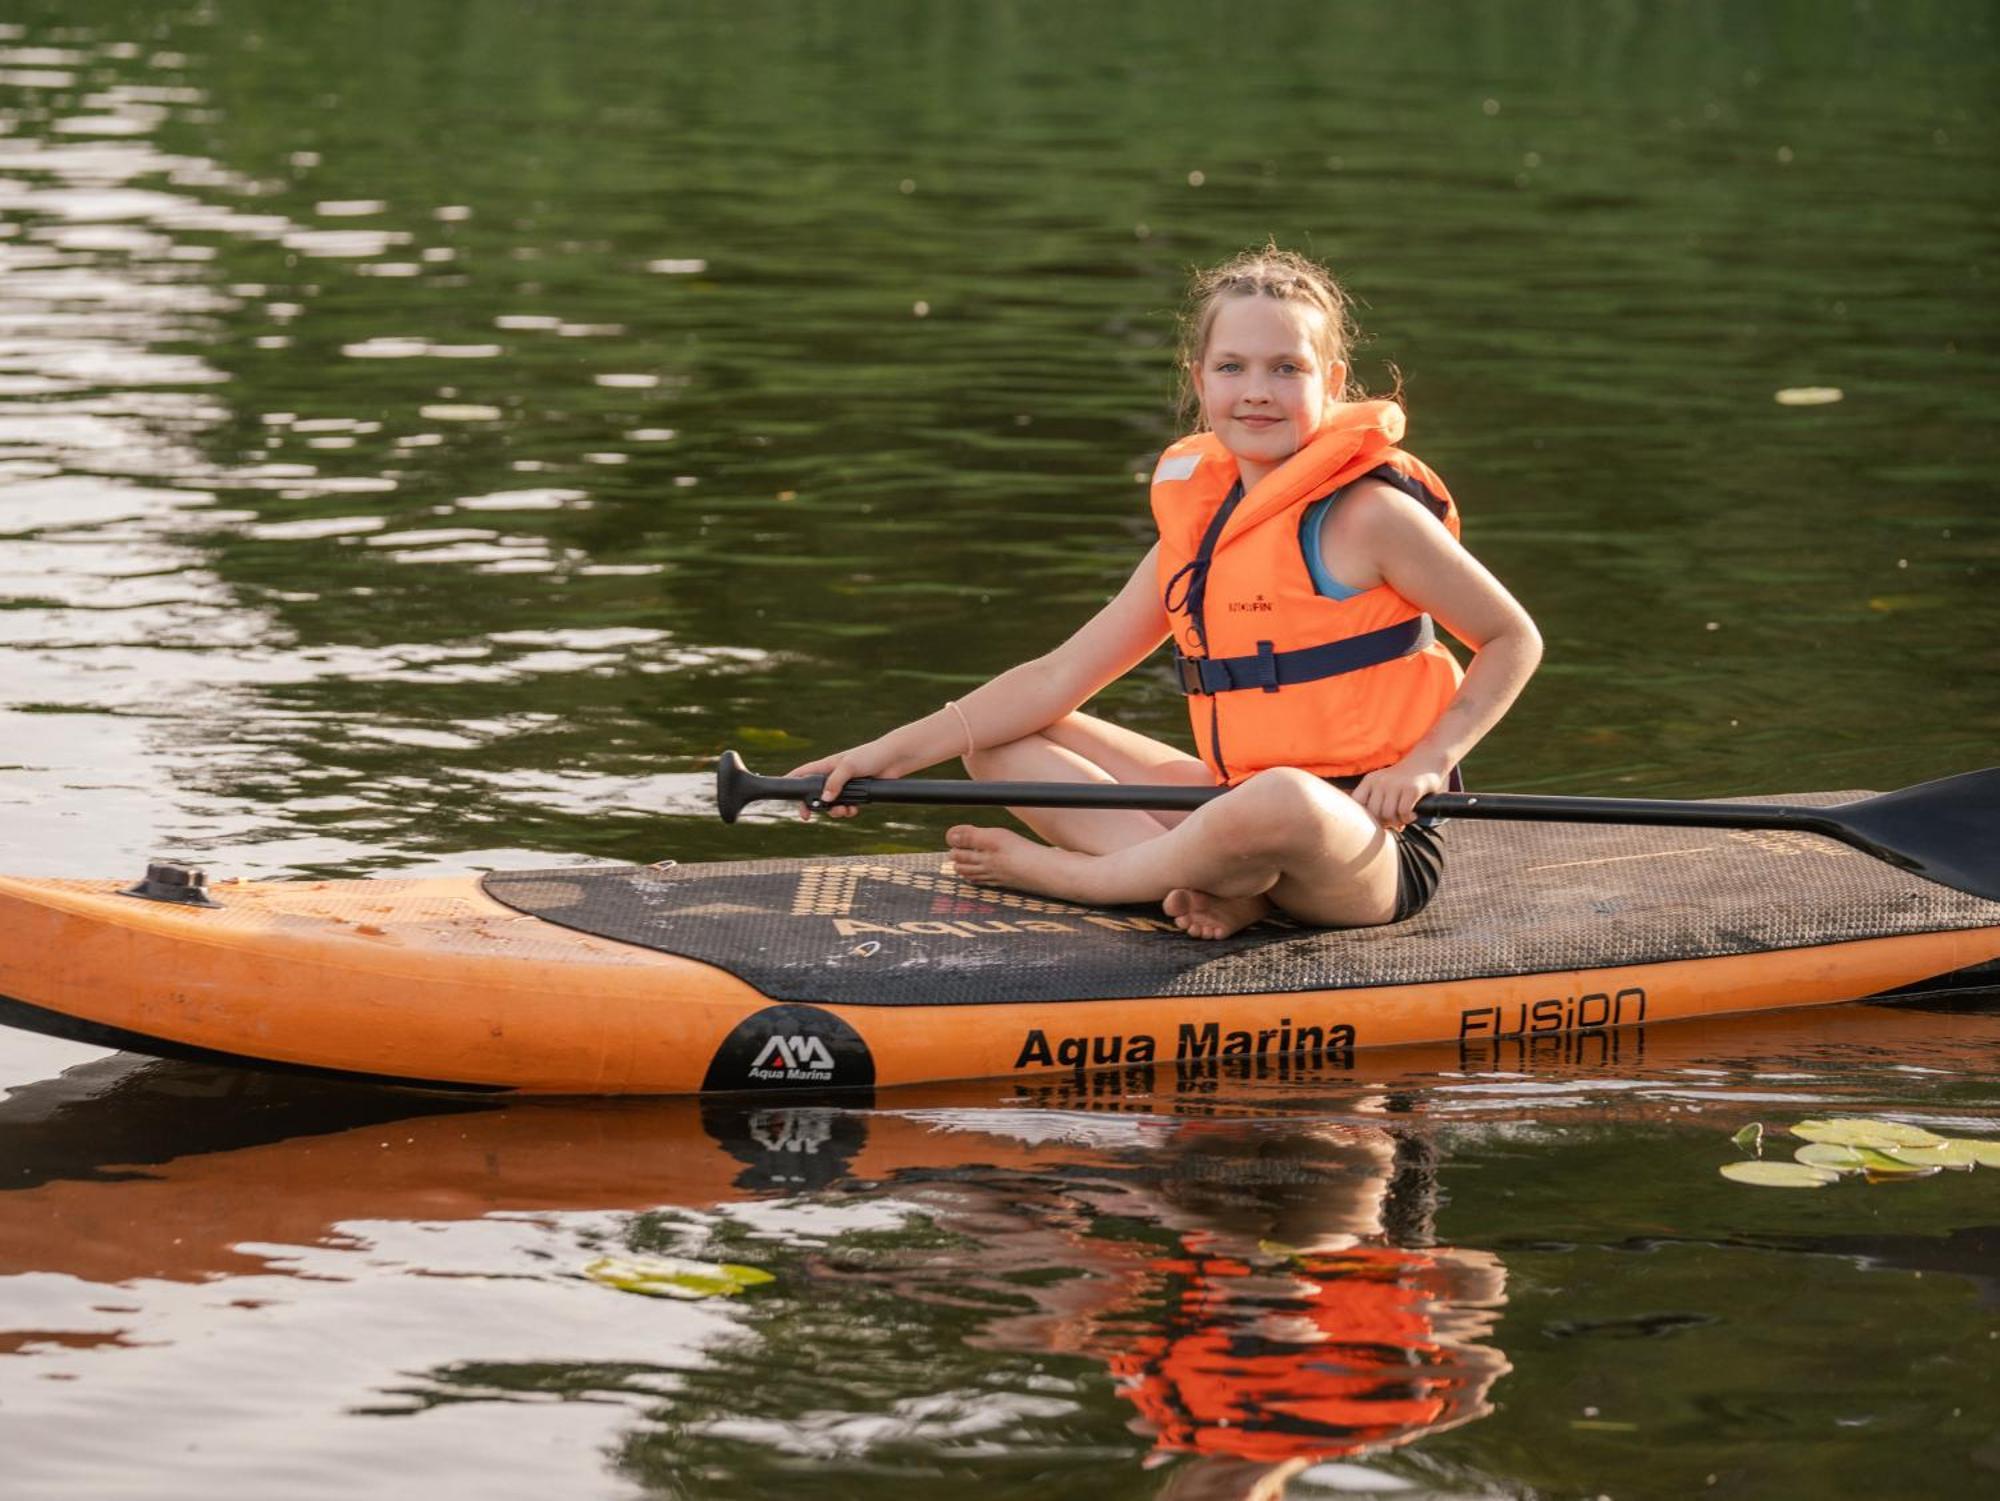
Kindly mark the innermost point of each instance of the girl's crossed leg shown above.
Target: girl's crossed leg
(1282, 839)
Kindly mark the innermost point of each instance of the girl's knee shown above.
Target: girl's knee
(1285, 804)
(987, 763)
(1011, 760)
(1284, 791)
(1265, 809)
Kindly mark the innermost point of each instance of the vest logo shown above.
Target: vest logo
(1176, 466)
(796, 1060)
(1259, 604)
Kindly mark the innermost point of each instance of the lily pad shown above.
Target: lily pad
(1985, 1153)
(1780, 1174)
(758, 737)
(1867, 1133)
(1956, 1155)
(673, 1277)
(1827, 1155)
(1881, 1165)
(1750, 1138)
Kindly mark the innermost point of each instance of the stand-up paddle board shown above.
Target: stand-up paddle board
(879, 970)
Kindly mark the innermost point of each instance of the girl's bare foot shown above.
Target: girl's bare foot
(1000, 857)
(1200, 915)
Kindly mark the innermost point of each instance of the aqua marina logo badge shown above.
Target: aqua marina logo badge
(791, 1046)
(796, 1059)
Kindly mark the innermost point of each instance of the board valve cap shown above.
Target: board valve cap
(170, 881)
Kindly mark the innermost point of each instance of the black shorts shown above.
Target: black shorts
(1419, 860)
(1419, 868)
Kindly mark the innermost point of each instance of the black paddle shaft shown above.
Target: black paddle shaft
(1947, 831)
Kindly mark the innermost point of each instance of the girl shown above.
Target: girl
(1301, 560)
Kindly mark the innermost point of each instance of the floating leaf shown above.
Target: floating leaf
(1809, 396)
(1867, 1133)
(1985, 1153)
(1750, 1138)
(673, 1277)
(760, 738)
(1780, 1174)
(1826, 1154)
(1881, 1165)
(1956, 1155)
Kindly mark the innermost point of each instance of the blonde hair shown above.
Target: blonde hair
(1286, 276)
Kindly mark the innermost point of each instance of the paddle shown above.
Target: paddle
(1947, 831)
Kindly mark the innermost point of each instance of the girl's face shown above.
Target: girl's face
(1262, 388)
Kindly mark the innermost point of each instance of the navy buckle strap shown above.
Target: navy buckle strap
(1267, 667)
(1271, 670)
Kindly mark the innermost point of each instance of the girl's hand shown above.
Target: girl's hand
(1390, 795)
(871, 760)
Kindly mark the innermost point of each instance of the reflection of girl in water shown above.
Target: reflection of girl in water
(1246, 1298)
(1291, 1332)
(1325, 1354)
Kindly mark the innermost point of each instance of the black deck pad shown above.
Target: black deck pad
(1517, 898)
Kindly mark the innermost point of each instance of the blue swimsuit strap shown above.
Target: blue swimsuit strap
(1323, 580)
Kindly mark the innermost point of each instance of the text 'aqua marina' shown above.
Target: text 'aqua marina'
(1193, 1042)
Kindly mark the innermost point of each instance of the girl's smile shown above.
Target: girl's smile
(1262, 388)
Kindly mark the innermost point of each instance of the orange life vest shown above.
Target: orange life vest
(1276, 673)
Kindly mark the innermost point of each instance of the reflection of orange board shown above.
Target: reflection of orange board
(1269, 1288)
(435, 982)
(159, 1170)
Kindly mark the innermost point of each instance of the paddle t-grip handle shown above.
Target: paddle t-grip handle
(737, 786)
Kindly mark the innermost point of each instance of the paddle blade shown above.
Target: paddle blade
(1947, 830)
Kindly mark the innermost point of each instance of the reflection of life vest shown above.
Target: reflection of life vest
(1335, 1353)
(1276, 673)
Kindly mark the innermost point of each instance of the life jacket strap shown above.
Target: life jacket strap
(1271, 670)
(1192, 577)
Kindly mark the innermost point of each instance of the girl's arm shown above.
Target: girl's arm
(1022, 699)
(1381, 536)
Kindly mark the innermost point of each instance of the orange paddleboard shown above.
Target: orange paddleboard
(802, 974)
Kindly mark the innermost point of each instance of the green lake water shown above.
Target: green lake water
(431, 432)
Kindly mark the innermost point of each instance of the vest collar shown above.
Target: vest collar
(1356, 436)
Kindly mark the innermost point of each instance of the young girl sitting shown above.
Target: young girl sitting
(1301, 561)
